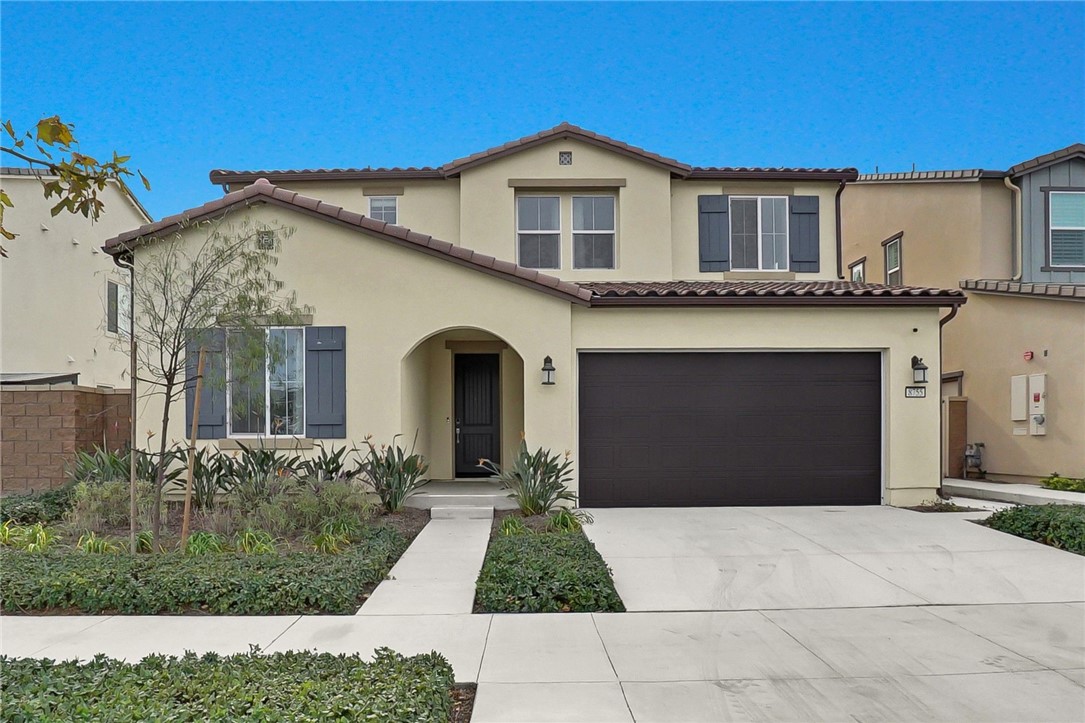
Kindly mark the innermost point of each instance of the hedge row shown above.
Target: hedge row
(291, 686)
(545, 573)
(226, 584)
(1061, 526)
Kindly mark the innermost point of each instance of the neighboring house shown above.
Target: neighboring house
(1015, 356)
(62, 301)
(681, 331)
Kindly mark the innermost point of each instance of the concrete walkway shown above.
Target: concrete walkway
(915, 663)
(1017, 494)
(437, 573)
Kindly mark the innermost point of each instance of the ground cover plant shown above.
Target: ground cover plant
(1066, 484)
(540, 564)
(291, 686)
(1061, 526)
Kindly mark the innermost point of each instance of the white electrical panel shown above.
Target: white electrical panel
(1037, 404)
(1019, 398)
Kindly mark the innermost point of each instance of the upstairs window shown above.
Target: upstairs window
(267, 396)
(759, 233)
(383, 208)
(1067, 228)
(858, 270)
(892, 260)
(118, 308)
(538, 232)
(593, 232)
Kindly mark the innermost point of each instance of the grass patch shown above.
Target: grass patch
(545, 572)
(1061, 526)
(291, 686)
(220, 584)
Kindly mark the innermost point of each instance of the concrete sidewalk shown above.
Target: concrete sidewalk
(1018, 494)
(1009, 662)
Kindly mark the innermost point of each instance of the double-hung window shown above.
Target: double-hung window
(538, 232)
(266, 389)
(759, 233)
(593, 232)
(383, 208)
(118, 308)
(892, 261)
(858, 271)
(1067, 228)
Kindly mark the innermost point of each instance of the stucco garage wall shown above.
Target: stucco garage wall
(912, 469)
(391, 298)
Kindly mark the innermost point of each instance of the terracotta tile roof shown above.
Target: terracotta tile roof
(564, 130)
(220, 176)
(761, 174)
(1002, 286)
(971, 174)
(767, 292)
(1077, 149)
(262, 191)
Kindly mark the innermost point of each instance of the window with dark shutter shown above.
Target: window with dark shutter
(212, 423)
(713, 233)
(326, 382)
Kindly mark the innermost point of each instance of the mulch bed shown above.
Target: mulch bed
(535, 523)
(944, 507)
(463, 702)
(409, 522)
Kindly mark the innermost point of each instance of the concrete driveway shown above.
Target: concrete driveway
(780, 558)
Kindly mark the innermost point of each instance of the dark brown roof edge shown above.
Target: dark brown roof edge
(221, 176)
(1044, 290)
(774, 174)
(1071, 151)
(262, 191)
(939, 300)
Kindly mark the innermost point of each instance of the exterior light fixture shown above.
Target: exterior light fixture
(548, 371)
(919, 371)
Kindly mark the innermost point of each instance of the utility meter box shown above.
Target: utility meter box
(1037, 404)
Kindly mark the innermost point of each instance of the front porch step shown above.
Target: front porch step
(1018, 494)
(461, 512)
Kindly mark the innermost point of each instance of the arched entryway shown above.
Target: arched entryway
(463, 396)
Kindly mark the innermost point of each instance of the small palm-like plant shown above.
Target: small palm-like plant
(255, 542)
(91, 543)
(37, 538)
(204, 543)
(538, 481)
(394, 473)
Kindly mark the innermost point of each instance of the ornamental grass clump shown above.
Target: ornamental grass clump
(539, 481)
(394, 473)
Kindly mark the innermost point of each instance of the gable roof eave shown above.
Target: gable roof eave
(1074, 150)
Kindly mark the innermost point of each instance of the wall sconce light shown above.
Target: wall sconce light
(548, 371)
(919, 371)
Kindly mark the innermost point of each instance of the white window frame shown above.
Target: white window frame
(613, 231)
(1051, 227)
(760, 234)
(395, 206)
(557, 233)
(861, 268)
(267, 394)
(124, 308)
(900, 261)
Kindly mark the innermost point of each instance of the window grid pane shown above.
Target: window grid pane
(593, 250)
(539, 250)
(744, 233)
(1068, 248)
(383, 209)
(1068, 210)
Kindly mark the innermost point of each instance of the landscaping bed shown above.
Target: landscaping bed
(291, 686)
(542, 568)
(1061, 526)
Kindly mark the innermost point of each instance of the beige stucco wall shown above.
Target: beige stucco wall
(684, 222)
(911, 462)
(991, 336)
(53, 286)
(390, 299)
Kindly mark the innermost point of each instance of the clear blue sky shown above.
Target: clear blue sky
(186, 87)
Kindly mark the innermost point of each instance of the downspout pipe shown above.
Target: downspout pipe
(839, 233)
(1018, 230)
(941, 415)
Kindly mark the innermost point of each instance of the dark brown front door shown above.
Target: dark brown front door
(478, 411)
(714, 429)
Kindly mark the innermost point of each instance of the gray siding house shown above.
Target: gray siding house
(1053, 216)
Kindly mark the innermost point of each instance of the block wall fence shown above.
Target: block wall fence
(42, 427)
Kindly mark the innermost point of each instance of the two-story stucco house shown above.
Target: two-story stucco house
(1014, 358)
(684, 332)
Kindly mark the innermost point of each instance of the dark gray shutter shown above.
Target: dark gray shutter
(326, 382)
(714, 233)
(805, 234)
(112, 316)
(212, 424)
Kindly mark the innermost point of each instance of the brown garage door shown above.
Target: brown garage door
(700, 428)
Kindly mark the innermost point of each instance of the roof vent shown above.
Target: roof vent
(565, 158)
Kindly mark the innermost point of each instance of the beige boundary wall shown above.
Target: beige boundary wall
(393, 300)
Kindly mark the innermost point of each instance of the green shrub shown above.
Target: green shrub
(513, 526)
(291, 686)
(1067, 484)
(321, 502)
(566, 520)
(205, 543)
(546, 572)
(99, 465)
(212, 473)
(48, 506)
(328, 543)
(255, 542)
(1061, 526)
(304, 582)
(91, 543)
(97, 507)
(394, 473)
(328, 466)
(538, 480)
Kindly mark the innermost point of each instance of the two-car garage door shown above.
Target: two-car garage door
(682, 429)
